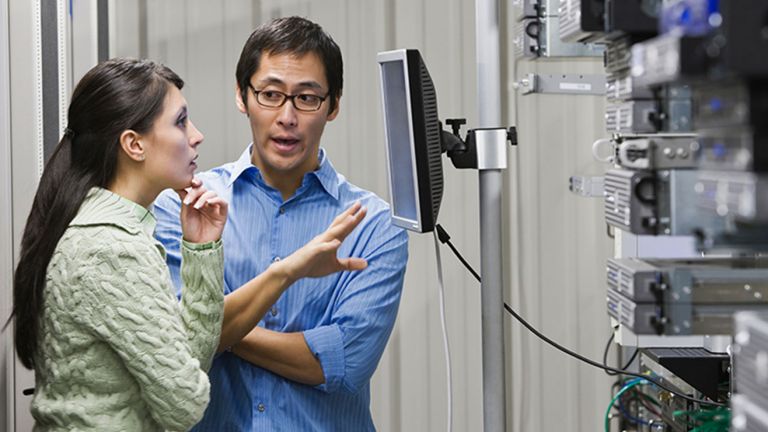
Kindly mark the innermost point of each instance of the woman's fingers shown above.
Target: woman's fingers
(218, 205)
(195, 189)
(193, 194)
(203, 199)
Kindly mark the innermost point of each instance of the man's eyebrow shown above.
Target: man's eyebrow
(274, 80)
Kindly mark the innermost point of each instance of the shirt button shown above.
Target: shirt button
(282, 210)
(276, 259)
(274, 311)
(261, 407)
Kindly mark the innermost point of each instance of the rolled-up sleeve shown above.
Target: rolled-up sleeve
(350, 347)
(327, 344)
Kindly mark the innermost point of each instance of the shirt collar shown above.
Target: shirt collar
(103, 207)
(325, 173)
(241, 165)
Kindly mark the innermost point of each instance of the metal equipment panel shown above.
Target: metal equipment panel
(629, 199)
(734, 196)
(751, 357)
(697, 281)
(732, 149)
(657, 152)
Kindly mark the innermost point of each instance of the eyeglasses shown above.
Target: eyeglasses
(306, 102)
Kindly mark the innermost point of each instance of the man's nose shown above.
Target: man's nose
(287, 116)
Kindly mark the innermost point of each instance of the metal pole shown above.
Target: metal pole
(489, 106)
(488, 63)
(494, 402)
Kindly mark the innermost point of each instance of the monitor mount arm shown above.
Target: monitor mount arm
(481, 147)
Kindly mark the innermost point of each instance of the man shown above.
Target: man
(308, 364)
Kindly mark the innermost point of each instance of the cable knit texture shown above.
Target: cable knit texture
(117, 351)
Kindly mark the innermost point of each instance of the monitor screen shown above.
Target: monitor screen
(412, 133)
(398, 129)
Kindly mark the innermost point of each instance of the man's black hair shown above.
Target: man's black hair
(296, 36)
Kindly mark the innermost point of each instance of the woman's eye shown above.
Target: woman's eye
(182, 121)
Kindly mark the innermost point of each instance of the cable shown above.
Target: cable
(446, 239)
(627, 415)
(441, 293)
(605, 355)
(628, 386)
(569, 352)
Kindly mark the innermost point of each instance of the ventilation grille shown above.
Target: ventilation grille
(617, 56)
(621, 308)
(751, 358)
(618, 186)
(434, 151)
(619, 278)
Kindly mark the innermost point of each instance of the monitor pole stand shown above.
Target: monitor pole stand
(492, 293)
(487, 41)
(486, 151)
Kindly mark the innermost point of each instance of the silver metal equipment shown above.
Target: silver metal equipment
(487, 21)
(750, 356)
(685, 297)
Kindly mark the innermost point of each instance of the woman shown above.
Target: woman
(94, 312)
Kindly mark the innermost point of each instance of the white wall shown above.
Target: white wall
(6, 220)
(25, 150)
(559, 256)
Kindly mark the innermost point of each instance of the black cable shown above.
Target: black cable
(605, 356)
(445, 238)
(608, 347)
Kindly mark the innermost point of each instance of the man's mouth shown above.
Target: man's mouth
(285, 143)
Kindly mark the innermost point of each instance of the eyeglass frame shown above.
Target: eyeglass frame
(286, 96)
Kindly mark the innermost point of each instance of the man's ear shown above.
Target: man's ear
(132, 145)
(332, 115)
(241, 104)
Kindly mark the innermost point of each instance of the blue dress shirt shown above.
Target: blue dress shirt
(346, 318)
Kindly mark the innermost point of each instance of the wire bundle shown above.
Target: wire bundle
(708, 420)
(641, 398)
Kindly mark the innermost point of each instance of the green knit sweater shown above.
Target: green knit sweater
(117, 350)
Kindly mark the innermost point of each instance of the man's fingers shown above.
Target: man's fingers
(350, 211)
(342, 229)
(351, 264)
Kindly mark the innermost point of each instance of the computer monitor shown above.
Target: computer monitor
(412, 130)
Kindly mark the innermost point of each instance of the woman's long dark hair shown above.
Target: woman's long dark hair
(114, 96)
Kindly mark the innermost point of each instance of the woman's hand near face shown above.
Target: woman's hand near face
(318, 257)
(203, 213)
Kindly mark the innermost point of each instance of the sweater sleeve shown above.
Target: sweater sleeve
(202, 301)
(126, 300)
